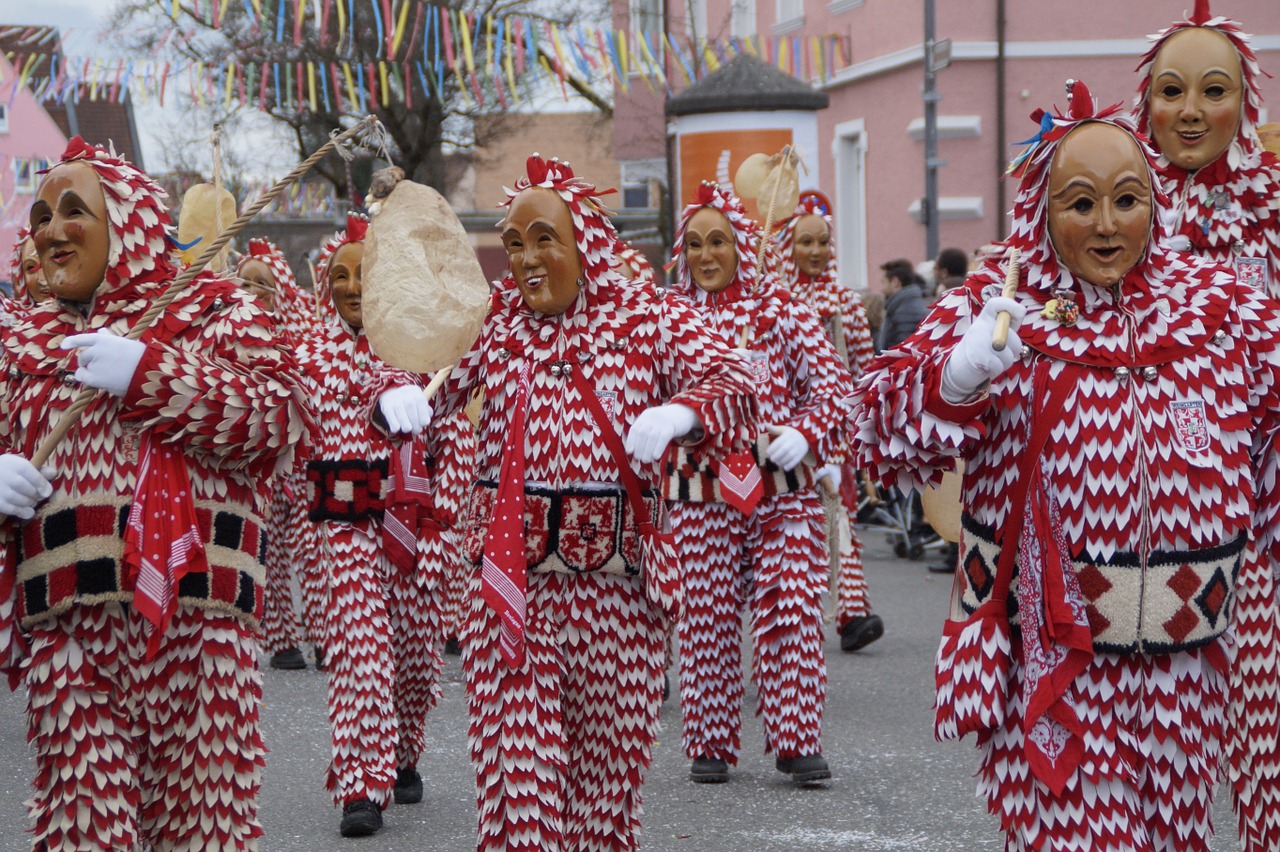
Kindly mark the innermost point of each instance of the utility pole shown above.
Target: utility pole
(931, 161)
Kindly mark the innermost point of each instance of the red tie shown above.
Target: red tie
(504, 575)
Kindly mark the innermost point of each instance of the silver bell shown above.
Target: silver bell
(1149, 373)
(1219, 337)
(1122, 374)
(555, 370)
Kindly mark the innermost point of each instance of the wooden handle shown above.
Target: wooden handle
(1001, 337)
(437, 382)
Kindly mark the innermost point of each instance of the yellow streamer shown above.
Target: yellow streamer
(174, 11)
(508, 61)
(227, 86)
(342, 25)
(400, 25)
(465, 29)
(351, 86)
(488, 43)
(382, 77)
(311, 84)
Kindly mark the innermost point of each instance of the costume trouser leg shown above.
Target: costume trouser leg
(789, 574)
(361, 668)
(853, 598)
(562, 744)
(414, 612)
(314, 575)
(164, 754)
(709, 540)
(280, 627)
(1153, 737)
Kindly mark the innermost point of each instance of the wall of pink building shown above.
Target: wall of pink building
(1099, 41)
(32, 133)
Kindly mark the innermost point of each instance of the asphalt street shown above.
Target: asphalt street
(894, 787)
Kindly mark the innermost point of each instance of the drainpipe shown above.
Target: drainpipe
(1002, 144)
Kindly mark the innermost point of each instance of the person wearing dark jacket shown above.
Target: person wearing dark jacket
(905, 305)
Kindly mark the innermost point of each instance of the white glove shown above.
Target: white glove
(107, 360)
(1172, 221)
(22, 487)
(788, 447)
(974, 361)
(405, 409)
(657, 427)
(831, 472)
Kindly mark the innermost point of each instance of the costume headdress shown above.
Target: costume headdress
(785, 239)
(18, 277)
(1030, 232)
(357, 228)
(593, 233)
(746, 234)
(633, 257)
(1246, 135)
(139, 220)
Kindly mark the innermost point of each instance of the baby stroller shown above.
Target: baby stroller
(900, 516)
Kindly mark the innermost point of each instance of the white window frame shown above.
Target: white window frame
(4, 118)
(26, 173)
(849, 150)
(742, 18)
(789, 17)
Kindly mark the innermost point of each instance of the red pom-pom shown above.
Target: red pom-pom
(357, 227)
(1201, 14)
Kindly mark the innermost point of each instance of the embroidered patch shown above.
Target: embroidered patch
(608, 401)
(1253, 272)
(1190, 424)
(759, 363)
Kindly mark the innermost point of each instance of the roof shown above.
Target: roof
(98, 122)
(746, 84)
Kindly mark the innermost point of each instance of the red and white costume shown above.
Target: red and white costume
(1228, 209)
(292, 540)
(383, 637)
(774, 560)
(145, 727)
(834, 303)
(1155, 409)
(561, 735)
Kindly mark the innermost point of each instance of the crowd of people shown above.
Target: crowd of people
(651, 462)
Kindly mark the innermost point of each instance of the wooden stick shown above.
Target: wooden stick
(86, 396)
(437, 382)
(1001, 337)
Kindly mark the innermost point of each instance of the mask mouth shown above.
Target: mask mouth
(1192, 136)
(1106, 254)
(533, 282)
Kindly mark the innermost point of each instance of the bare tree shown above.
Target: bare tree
(422, 125)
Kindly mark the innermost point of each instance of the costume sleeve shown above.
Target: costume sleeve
(858, 343)
(903, 431)
(820, 384)
(1260, 317)
(224, 387)
(699, 370)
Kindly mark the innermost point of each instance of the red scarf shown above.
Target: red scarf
(504, 574)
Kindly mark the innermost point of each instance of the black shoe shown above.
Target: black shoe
(708, 770)
(408, 787)
(861, 632)
(805, 770)
(666, 687)
(361, 818)
(319, 658)
(290, 659)
(452, 647)
(943, 568)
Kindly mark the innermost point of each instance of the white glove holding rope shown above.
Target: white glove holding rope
(657, 427)
(22, 487)
(975, 361)
(107, 360)
(1172, 221)
(787, 448)
(405, 409)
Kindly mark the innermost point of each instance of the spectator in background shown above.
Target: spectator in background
(949, 270)
(904, 307)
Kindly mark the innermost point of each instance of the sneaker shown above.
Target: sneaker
(708, 770)
(360, 818)
(808, 769)
(408, 787)
(290, 659)
(666, 688)
(860, 632)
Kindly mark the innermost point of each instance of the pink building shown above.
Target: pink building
(869, 155)
(29, 139)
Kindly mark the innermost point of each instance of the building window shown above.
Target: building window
(646, 19)
(789, 10)
(26, 173)
(635, 195)
(4, 118)
(742, 22)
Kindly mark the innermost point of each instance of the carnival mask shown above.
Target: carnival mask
(256, 277)
(32, 273)
(345, 272)
(710, 251)
(71, 232)
(1197, 91)
(542, 251)
(1099, 203)
(812, 243)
